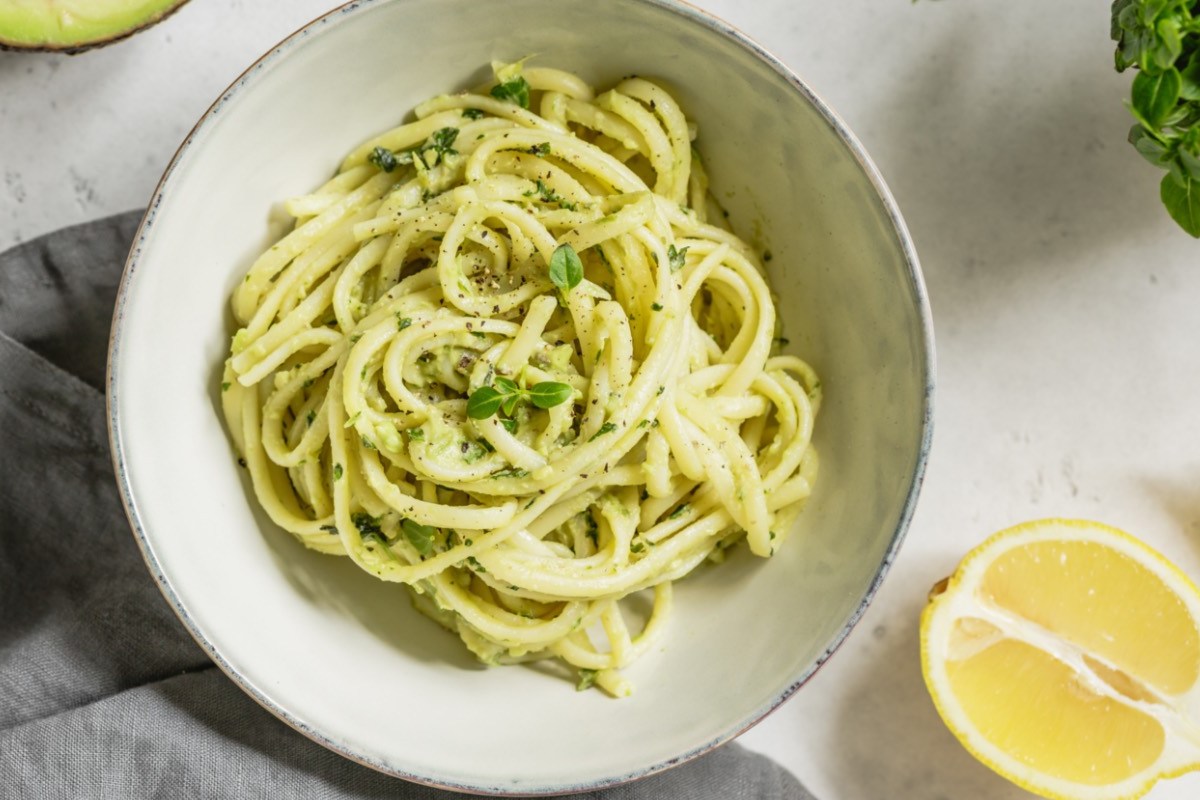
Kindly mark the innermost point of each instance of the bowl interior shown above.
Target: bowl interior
(345, 658)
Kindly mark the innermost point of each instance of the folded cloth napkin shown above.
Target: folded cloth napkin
(102, 692)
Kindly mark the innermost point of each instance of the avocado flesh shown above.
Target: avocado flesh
(74, 25)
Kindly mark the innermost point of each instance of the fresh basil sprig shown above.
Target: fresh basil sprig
(1161, 38)
(506, 394)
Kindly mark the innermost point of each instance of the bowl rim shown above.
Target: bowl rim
(916, 285)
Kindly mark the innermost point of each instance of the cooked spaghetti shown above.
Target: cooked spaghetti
(504, 359)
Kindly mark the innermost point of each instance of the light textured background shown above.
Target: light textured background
(1065, 302)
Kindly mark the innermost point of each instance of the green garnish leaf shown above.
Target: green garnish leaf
(514, 91)
(367, 525)
(472, 113)
(442, 142)
(548, 394)
(402, 322)
(512, 472)
(417, 434)
(383, 158)
(1161, 38)
(566, 270)
(607, 427)
(337, 472)
(1154, 96)
(1182, 199)
(484, 402)
(418, 535)
(676, 258)
(507, 385)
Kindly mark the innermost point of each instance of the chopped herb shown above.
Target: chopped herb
(472, 113)
(548, 195)
(472, 451)
(241, 462)
(510, 425)
(540, 150)
(350, 423)
(367, 443)
(469, 542)
(513, 472)
(587, 679)
(644, 423)
(676, 257)
(479, 334)
(782, 341)
(656, 306)
(309, 383)
(355, 338)
(475, 565)
(225, 386)
(679, 512)
(384, 159)
(337, 472)
(330, 529)
(514, 91)
(771, 535)
(418, 535)
(636, 547)
(442, 143)
(566, 270)
(607, 427)
(367, 525)
(312, 415)
(402, 322)
(417, 434)
(661, 389)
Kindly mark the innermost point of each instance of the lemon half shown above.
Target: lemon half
(1065, 655)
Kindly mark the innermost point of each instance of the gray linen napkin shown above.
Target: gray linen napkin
(102, 692)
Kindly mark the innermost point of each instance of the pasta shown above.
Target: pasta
(504, 359)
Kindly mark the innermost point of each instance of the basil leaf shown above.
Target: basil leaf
(418, 535)
(548, 394)
(509, 404)
(483, 402)
(566, 270)
(507, 385)
(1182, 199)
(1155, 96)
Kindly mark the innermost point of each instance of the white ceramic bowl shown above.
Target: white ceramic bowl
(345, 659)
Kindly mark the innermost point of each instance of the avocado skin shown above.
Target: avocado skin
(79, 47)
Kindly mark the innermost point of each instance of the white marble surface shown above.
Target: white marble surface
(1065, 301)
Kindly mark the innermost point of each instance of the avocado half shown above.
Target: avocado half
(70, 26)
